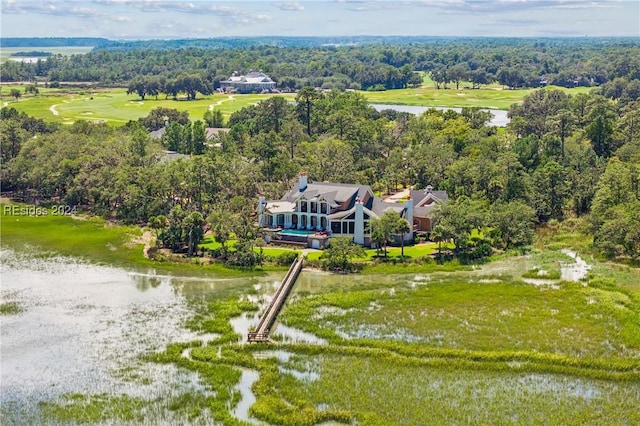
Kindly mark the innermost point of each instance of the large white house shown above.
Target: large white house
(254, 81)
(311, 212)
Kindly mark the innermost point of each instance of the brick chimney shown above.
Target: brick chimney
(302, 181)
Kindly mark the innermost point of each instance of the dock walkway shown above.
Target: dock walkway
(261, 333)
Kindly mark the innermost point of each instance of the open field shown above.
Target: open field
(115, 106)
(6, 52)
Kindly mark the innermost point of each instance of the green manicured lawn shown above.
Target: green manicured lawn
(115, 106)
(414, 251)
(493, 97)
(273, 251)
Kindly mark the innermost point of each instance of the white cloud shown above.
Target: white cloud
(504, 6)
(290, 6)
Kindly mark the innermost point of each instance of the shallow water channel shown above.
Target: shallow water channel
(82, 329)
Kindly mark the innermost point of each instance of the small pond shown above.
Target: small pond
(500, 117)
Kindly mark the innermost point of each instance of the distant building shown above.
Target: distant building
(254, 81)
(211, 133)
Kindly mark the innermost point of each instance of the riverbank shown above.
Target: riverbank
(94, 240)
(109, 243)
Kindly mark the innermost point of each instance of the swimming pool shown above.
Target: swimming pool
(296, 232)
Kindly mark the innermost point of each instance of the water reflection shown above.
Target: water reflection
(574, 271)
(247, 398)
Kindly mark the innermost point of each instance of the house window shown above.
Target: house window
(336, 227)
(323, 208)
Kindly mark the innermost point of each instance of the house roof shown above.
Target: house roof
(334, 193)
(212, 132)
(253, 77)
(157, 134)
(280, 206)
(380, 207)
(172, 156)
(424, 211)
(419, 196)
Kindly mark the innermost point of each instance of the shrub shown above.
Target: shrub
(286, 259)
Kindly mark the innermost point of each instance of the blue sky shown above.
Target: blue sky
(144, 19)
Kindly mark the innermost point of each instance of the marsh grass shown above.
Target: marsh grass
(78, 408)
(496, 316)
(215, 317)
(377, 391)
(98, 241)
(10, 308)
(451, 349)
(506, 355)
(543, 274)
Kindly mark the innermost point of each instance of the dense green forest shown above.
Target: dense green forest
(373, 64)
(562, 157)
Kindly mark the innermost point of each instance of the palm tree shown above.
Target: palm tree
(438, 235)
(379, 234)
(401, 226)
(221, 225)
(158, 223)
(192, 226)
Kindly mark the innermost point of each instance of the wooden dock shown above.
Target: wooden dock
(261, 333)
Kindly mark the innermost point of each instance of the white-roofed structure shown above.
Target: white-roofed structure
(254, 81)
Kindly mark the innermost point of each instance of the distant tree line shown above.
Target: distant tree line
(32, 53)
